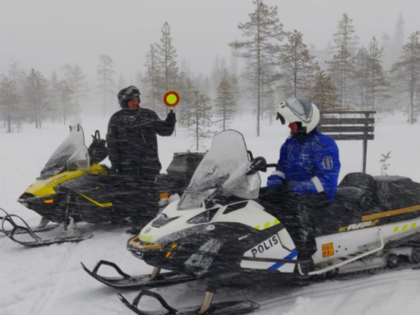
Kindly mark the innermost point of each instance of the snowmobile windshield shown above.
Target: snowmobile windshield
(222, 171)
(71, 155)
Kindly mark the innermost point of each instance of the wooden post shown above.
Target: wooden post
(365, 140)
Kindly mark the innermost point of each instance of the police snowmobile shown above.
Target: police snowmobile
(220, 232)
(73, 187)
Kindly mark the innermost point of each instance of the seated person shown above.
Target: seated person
(308, 173)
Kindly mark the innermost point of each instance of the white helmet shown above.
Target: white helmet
(299, 110)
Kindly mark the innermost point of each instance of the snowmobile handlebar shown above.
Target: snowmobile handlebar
(259, 164)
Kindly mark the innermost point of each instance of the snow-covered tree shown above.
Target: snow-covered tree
(153, 78)
(167, 58)
(105, 76)
(263, 32)
(377, 82)
(225, 101)
(65, 95)
(323, 92)
(199, 118)
(341, 65)
(407, 73)
(77, 82)
(297, 66)
(9, 103)
(36, 95)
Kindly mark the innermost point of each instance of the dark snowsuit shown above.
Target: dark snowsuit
(133, 152)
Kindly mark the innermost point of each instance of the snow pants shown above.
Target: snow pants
(136, 198)
(298, 214)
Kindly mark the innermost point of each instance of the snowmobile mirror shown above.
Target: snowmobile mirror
(259, 164)
(283, 121)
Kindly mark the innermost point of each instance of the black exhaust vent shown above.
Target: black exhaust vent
(235, 207)
(162, 221)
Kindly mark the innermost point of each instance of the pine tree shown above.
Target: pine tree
(407, 72)
(167, 57)
(17, 74)
(341, 66)
(360, 77)
(398, 40)
(323, 92)
(9, 103)
(377, 83)
(153, 77)
(263, 31)
(53, 97)
(121, 82)
(36, 94)
(186, 89)
(77, 82)
(200, 119)
(298, 66)
(65, 94)
(106, 79)
(225, 101)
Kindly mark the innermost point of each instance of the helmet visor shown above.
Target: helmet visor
(302, 108)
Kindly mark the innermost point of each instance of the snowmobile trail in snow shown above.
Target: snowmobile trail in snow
(282, 299)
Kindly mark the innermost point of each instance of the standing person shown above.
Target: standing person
(308, 174)
(133, 152)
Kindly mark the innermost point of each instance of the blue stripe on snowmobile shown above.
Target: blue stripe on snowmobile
(279, 264)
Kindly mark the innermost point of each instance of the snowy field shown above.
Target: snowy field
(50, 280)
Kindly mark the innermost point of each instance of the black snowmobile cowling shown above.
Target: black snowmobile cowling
(74, 186)
(221, 229)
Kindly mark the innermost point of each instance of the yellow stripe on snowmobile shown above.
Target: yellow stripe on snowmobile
(46, 187)
(267, 225)
(102, 205)
(405, 227)
(390, 213)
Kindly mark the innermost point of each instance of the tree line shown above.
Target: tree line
(276, 64)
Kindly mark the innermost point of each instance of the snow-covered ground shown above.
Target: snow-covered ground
(50, 281)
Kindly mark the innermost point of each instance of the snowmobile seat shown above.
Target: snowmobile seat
(394, 192)
(357, 188)
(353, 198)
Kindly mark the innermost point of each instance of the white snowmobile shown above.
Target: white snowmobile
(220, 233)
(73, 187)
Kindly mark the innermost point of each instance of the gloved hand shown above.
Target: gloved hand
(295, 187)
(275, 181)
(171, 117)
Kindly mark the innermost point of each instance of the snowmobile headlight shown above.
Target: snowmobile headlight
(204, 217)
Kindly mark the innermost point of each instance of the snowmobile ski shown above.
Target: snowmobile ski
(224, 308)
(38, 229)
(136, 282)
(28, 238)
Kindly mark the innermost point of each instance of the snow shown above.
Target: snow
(50, 280)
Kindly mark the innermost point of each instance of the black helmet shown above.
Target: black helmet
(127, 94)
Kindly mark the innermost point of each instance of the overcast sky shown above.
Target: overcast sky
(45, 34)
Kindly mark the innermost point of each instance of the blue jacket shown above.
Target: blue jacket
(308, 165)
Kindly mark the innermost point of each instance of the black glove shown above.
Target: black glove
(171, 117)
